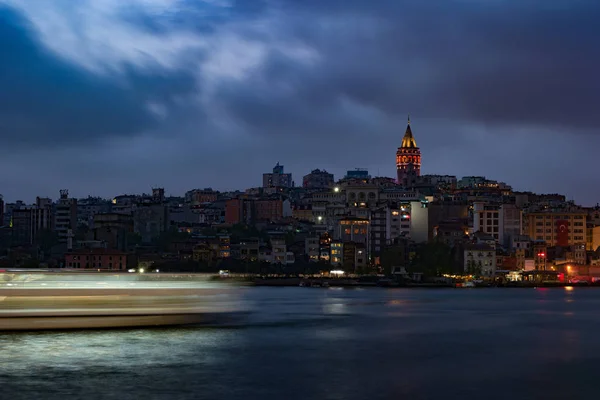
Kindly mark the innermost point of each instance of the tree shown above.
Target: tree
(473, 268)
(164, 240)
(433, 259)
(134, 239)
(393, 256)
(46, 239)
(81, 232)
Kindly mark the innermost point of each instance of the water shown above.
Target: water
(308, 343)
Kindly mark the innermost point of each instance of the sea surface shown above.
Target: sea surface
(317, 343)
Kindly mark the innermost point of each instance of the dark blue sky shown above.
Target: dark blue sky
(105, 97)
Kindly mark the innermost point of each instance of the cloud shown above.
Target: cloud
(309, 83)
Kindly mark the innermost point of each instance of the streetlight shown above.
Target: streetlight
(336, 189)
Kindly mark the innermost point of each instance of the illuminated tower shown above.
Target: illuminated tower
(408, 159)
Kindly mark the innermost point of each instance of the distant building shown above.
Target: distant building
(65, 216)
(318, 179)
(90, 206)
(302, 212)
(556, 228)
(197, 197)
(311, 248)
(250, 211)
(408, 159)
(234, 211)
(480, 259)
(113, 229)
(502, 221)
(150, 220)
(277, 178)
(358, 173)
(27, 222)
(124, 204)
(96, 258)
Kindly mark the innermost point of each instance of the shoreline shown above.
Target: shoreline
(319, 283)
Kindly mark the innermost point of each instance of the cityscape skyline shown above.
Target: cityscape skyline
(161, 99)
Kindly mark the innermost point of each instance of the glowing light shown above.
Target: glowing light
(569, 288)
(336, 272)
(141, 270)
(336, 189)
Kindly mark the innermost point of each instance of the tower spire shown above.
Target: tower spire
(409, 119)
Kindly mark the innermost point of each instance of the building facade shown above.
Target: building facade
(98, 258)
(318, 179)
(556, 228)
(277, 178)
(65, 221)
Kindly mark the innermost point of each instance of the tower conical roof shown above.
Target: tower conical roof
(408, 141)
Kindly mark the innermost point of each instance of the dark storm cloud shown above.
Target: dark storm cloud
(46, 101)
(232, 86)
(490, 62)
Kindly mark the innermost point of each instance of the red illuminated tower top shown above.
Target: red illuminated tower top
(408, 159)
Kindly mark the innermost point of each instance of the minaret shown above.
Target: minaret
(408, 159)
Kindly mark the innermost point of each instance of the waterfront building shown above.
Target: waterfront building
(408, 159)
(96, 258)
(480, 259)
(311, 248)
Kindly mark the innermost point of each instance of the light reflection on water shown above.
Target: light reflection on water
(310, 343)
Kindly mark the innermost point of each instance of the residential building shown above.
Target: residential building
(278, 248)
(480, 259)
(302, 212)
(197, 197)
(271, 209)
(124, 204)
(502, 221)
(592, 236)
(113, 229)
(556, 227)
(96, 258)
(235, 211)
(248, 249)
(150, 220)
(1, 211)
(337, 252)
(312, 248)
(452, 232)
(277, 178)
(90, 206)
(27, 222)
(358, 174)
(65, 216)
(318, 179)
